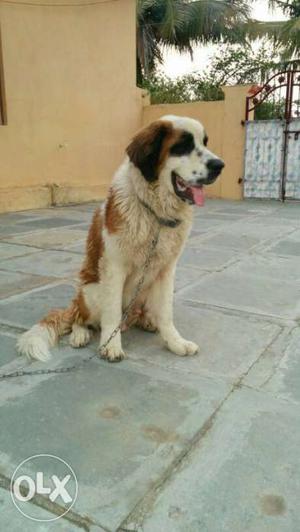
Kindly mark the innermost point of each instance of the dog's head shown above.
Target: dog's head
(174, 152)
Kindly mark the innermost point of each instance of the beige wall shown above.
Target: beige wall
(71, 104)
(71, 100)
(222, 121)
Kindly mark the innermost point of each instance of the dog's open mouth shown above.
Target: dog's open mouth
(193, 194)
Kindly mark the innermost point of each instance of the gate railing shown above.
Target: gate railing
(283, 91)
(285, 86)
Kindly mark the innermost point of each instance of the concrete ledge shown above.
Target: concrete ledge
(62, 195)
(22, 199)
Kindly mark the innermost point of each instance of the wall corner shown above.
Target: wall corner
(234, 144)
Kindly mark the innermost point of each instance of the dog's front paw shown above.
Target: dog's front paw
(183, 347)
(111, 353)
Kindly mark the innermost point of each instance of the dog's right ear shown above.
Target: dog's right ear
(146, 148)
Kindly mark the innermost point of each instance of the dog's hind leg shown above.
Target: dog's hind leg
(141, 319)
(80, 335)
(146, 323)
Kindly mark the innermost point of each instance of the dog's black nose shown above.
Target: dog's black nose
(215, 166)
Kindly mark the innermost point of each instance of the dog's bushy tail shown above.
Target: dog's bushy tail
(35, 343)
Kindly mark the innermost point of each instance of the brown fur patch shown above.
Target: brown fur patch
(61, 320)
(113, 217)
(167, 144)
(80, 310)
(145, 149)
(94, 251)
(144, 138)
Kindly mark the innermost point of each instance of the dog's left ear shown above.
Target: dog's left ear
(145, 149)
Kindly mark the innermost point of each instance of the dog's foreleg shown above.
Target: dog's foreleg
(160, 304)
(111, 311)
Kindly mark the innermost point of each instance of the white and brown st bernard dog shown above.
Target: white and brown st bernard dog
(161, 178)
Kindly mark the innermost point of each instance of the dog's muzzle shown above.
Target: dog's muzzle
(192, 192)
(214, 167)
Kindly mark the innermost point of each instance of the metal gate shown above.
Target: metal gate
(272, 155)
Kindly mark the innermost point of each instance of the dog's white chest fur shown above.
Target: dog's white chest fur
(140, 260)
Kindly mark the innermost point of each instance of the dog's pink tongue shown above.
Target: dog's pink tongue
(198, 196)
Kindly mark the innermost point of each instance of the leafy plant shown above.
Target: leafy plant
(241, 64)
(230, 66)
(270, 110)
(165, 90)
(185, 89)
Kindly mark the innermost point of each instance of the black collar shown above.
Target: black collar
(162, 221)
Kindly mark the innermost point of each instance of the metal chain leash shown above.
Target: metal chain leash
(76, 367)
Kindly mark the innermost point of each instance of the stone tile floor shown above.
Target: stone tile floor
(160, 443)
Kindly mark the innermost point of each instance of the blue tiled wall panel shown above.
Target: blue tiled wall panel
(263, 159)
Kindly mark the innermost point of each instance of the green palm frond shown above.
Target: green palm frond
(290, 38)
(173, 20)
(289, 7)
(184, 23)
(256, 29)
(286, 35)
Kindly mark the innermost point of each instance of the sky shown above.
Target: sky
(176, 64)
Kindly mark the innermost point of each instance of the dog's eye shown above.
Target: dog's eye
(184, 146)
(205, 140)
